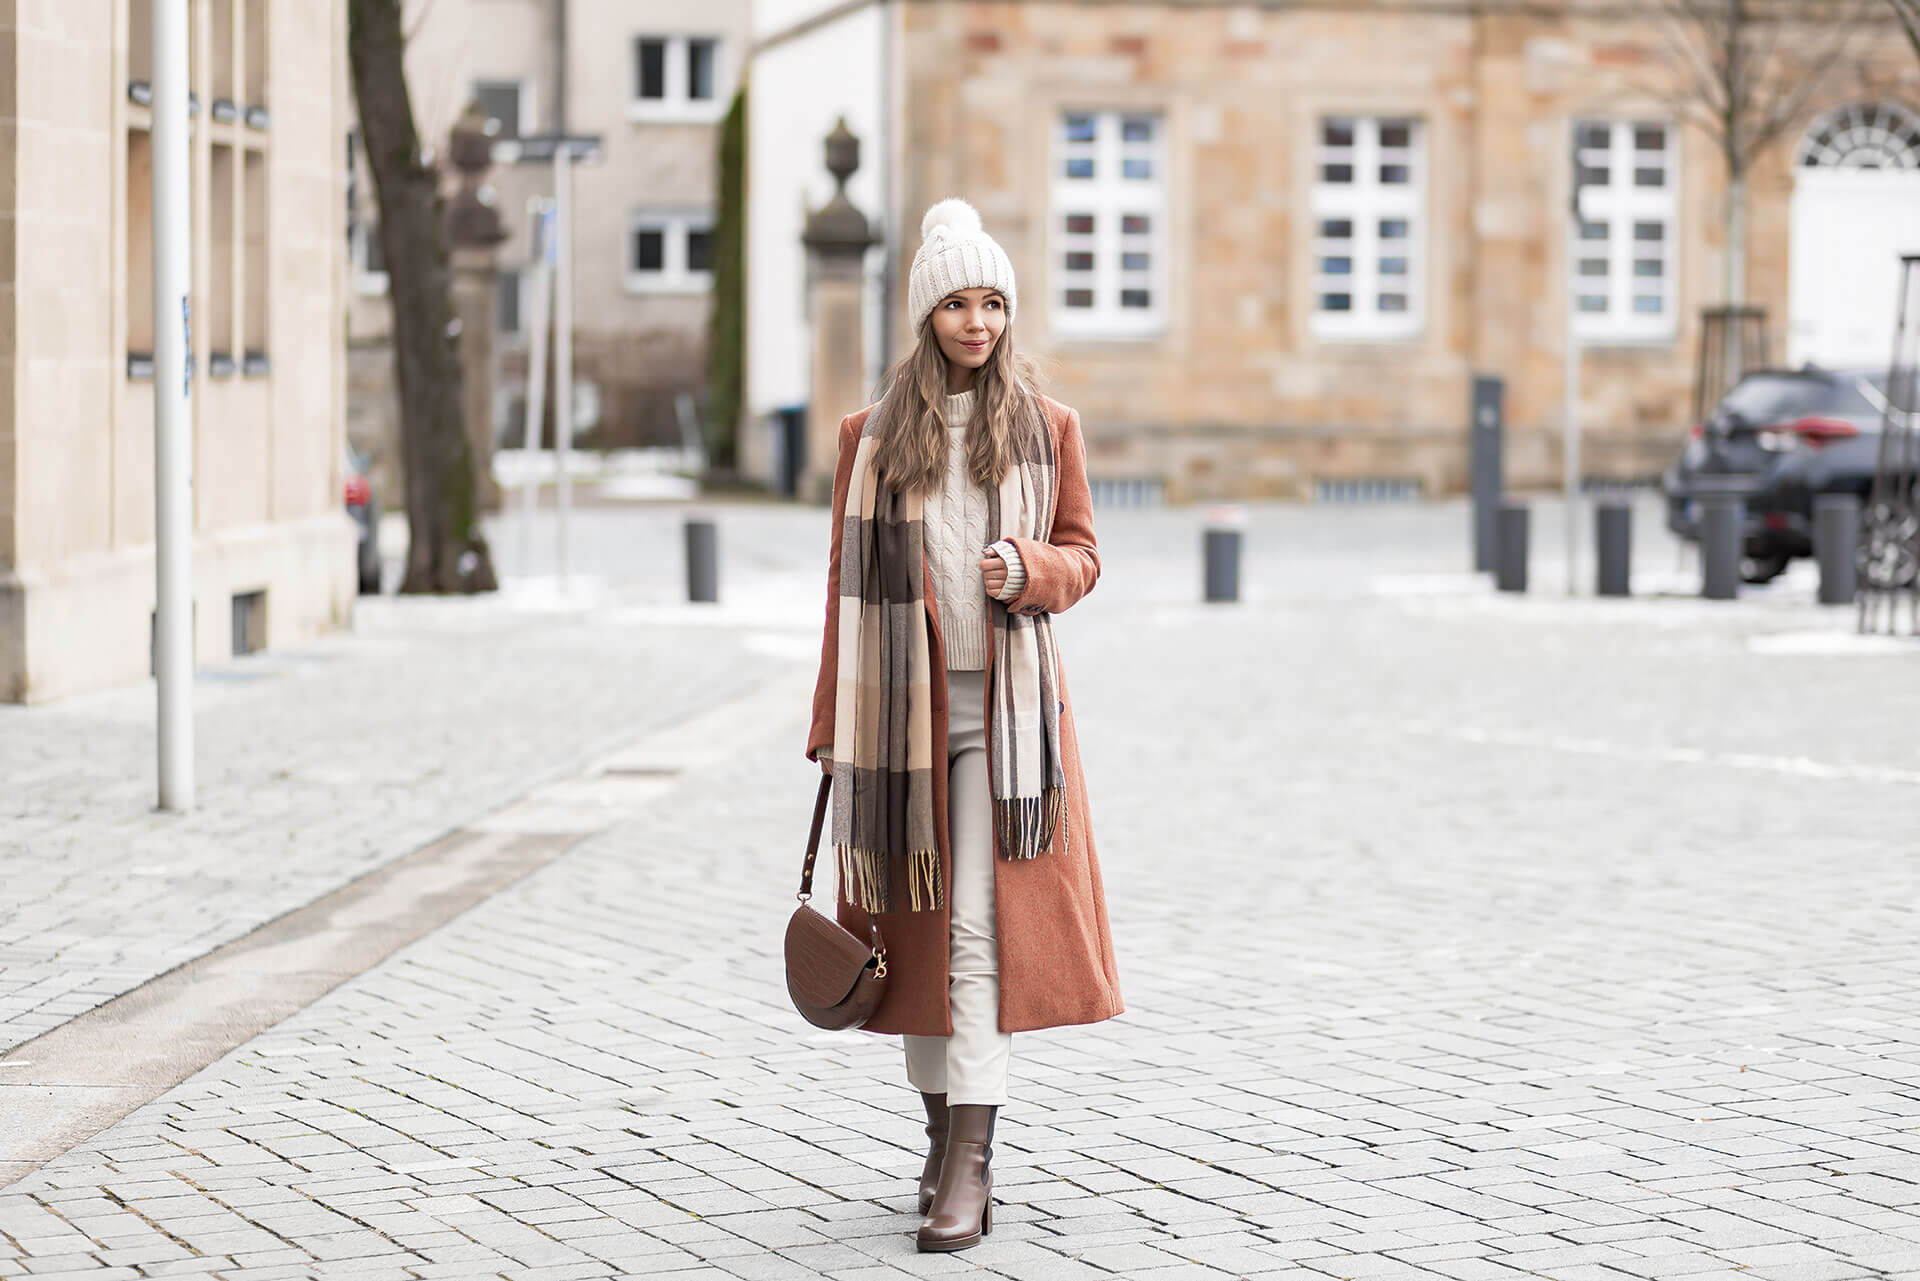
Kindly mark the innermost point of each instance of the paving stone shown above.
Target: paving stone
(1554, 949)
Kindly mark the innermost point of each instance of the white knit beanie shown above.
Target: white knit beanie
(955, 253)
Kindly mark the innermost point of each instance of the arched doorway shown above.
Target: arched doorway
(1856, 208)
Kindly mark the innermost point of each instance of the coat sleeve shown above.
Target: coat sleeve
(826, 686)
(1065, 567)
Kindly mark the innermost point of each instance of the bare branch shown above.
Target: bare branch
(419, 20)
(1908, 12)
(1750, 67)
(1840, 42)
(1706, 84)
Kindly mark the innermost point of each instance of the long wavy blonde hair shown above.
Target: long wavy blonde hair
(911, 453)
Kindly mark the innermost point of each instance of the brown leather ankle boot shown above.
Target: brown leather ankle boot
(962, 1209)
(936, 1145)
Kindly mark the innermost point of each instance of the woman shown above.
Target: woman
(962, 524)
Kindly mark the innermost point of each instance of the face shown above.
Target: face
(967, 324)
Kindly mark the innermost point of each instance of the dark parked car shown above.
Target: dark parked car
(1779, 439)
(365, 510)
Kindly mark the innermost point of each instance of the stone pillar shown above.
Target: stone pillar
(474, 231)
(837, 238)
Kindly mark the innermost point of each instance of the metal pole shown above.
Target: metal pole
(703, 559)
(1220, 553)
(1836, 542)
(563, 343)
(1722, 539)
(1570, 447)
(1510, 536)
(172, 400)
(1484, 452)
(1570, 382)
(540, 218)
(1613, 549)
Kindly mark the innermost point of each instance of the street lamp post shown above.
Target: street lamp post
(172, 402)
(561, 150)
(1570, 416)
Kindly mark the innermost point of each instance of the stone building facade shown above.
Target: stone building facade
(653, 82)
(1264, 247)
(274, 550)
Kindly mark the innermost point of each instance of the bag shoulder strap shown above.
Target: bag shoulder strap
(813, 852)
(813, 837)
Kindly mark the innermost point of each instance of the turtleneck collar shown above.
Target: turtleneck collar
(960, 409)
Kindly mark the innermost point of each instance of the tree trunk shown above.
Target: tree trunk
(1736, 267)
(726, 328)
(448, 551)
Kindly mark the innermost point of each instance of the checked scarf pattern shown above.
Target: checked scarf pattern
(883, 821)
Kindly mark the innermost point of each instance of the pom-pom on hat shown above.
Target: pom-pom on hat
(955, 253)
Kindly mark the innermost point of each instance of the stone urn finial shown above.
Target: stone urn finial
(473, 218)
(837, 229)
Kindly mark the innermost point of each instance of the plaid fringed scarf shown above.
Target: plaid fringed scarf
(883, 826)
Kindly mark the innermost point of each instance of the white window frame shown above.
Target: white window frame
(676, 106)
(674, 277)
(1109, 196)
(1619, 206)
(524, 88)
(1367, 202)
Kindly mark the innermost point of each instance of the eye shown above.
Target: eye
(993, 302)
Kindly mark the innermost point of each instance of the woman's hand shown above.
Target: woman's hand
(994, 570)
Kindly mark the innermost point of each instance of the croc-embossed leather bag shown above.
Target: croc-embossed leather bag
(835, 977)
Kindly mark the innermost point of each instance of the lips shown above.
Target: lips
(974, 346)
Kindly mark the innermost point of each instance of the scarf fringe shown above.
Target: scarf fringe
(1026, 824)
(923, 881)
(864, 882)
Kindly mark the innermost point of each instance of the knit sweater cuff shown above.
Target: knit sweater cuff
(1016, 570)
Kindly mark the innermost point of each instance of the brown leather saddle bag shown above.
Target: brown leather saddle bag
(835, 977)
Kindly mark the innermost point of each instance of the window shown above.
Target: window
(700, 69)
(508, 102)
(363, 233)
(1622, 272)
(1107, 254)
(509, 301)
(677, 78)
(1367, 227)
(669, 252)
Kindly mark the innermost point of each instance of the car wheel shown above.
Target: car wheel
(1763, 569)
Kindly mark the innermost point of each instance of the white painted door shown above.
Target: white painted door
(1849, 228)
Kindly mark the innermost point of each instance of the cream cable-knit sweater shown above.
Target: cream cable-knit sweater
(957, 537)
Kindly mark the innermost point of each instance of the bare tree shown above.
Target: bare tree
(448, 551)
(1745, 70)
(1908, 12)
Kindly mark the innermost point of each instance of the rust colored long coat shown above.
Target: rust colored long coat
(1056, 952)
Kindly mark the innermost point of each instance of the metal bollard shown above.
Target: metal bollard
(1836, 542)
(1613, 541)
(1221, 549)
(1723, 518)
(703, 560)
(1510, 562)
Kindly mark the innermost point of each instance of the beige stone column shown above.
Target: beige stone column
(837, 238)
(476, 304)
(474, 232)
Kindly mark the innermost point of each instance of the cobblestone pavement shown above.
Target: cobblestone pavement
(1460, 937)
(315, 764)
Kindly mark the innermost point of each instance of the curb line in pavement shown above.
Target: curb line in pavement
(75, 1081)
